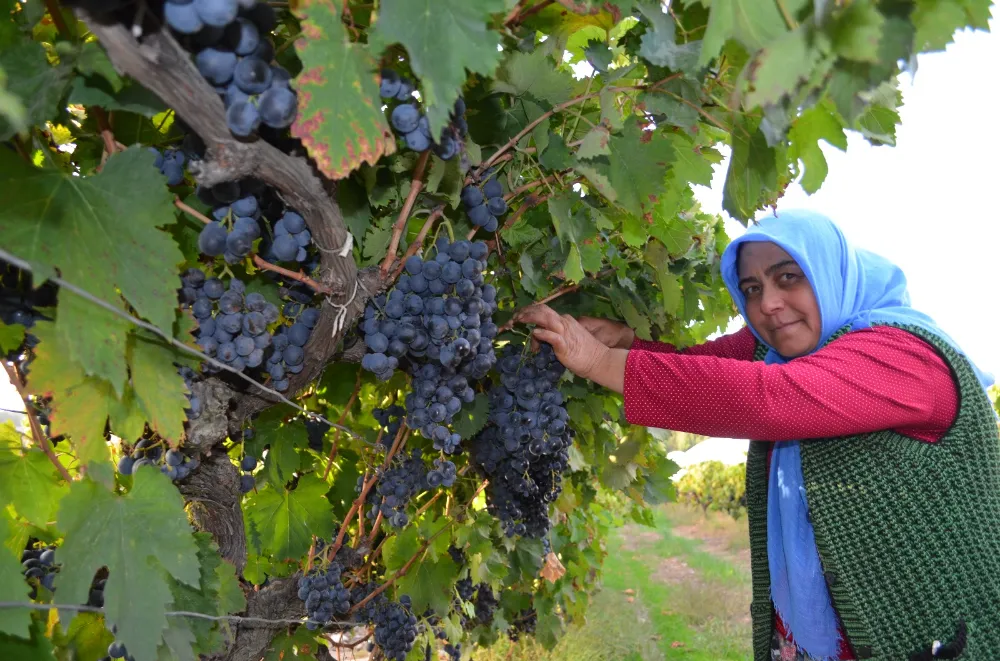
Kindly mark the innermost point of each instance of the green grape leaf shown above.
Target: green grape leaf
(355, 209)
(752, 170)
(534, 74)
(777, 69)
(659, 45)
(340, 118)
(30, 483)
(88, 636)
(400, 548)
(754, 24)
(11, 336)
(93, 61)
(936, 22)
(557, 155)
(101, 233)
(37, 648)
(13, 621)
(157, 385)
(677, 100)
(857, 32)
(230, 596)
(692, 163)
(573, 268)
(287, 520)
(470, 420)
(521, 234)
(38, 85)
(93, 91)
(815, 124)
(595, 143)
(598, 55)
(638, 165)
(377, 240)
(140, 537)
(428, 583)
(444, 38)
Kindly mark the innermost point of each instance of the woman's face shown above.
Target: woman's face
(780, 302)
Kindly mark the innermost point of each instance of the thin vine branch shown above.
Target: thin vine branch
(36, 427)
(418, 242)
(561, 291)
(340, 421)
(416, 185)
(259, 261)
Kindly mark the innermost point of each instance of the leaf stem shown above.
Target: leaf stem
(36, 427)
(416, 185)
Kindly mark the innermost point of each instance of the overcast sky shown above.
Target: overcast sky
(929, 203)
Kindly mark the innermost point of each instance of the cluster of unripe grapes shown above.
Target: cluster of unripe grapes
(233, 52)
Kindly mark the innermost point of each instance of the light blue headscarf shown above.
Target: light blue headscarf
(853, 287)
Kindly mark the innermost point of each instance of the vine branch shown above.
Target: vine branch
(416, 185)
(37, 433)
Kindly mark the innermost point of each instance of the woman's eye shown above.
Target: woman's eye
(788, 277)
(749, 291)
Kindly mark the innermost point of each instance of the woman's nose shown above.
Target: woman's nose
(771, 301)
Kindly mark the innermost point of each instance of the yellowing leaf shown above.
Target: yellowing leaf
(340, 119)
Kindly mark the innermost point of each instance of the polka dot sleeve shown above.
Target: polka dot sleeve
(739, 345)
(868, 380)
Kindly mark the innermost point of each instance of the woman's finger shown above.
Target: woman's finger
(540, 315)
(547, 336)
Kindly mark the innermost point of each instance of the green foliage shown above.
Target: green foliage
(712, 485)
(598, 172)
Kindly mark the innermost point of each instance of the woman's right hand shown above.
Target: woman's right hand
(611, 334)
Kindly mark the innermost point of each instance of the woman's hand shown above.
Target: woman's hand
(576, 347)
(612, 334)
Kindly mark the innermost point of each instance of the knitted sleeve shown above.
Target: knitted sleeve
(867, 380)
(739, 346)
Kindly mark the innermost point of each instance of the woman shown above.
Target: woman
(873, 496)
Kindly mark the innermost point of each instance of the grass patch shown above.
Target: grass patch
(665, 596)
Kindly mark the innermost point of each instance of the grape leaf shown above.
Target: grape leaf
(287, 520)
(38, 648)
(93, 91)
(639, 160)
(751, 22)
(88, 636)
(777, 69)
(521, 234)
(157, 385)
(857, 33)
(815, 124)
(377, 240)
(444, 38)
(470, 420)
(595, 143)
(13, 621)
(355, 209)
(340, 118)
(400, 548)
(659, 44)
(37, 85)
(11, 336)
(101, 233)
(752, 170)
(428, 583)
(30, 483)
(139, 537)
(692, 163)
(598, 55)
(534, 74)
(936, 22)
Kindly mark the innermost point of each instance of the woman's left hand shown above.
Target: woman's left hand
(575, 347)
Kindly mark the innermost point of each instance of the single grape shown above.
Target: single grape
(218, 13)
(405, 117)
(242, 118)
(277, 107)
(216, 66)
(212, 239)
(285, 248)
(182, 17)
(243, 35)
(252, 75)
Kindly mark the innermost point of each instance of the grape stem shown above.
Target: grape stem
(259, 261)
(36, 427)
(418, 242)
(559, 108)
(340, 421)
(110, 144)
(416, 185)
(565, 289)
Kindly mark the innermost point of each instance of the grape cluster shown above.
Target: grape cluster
(395, 628)
(229, 39)
(193, 410)
(20, 302)
(525, 623)
(170, 163)
(236, 226)
(405, 478)
(390, 419)
(324, 595)
(291, 238)
(39, 564)
(414, 127)
(442, 475)
(173, 463)
(289, 355)
(438, 318)
(524, 451)
(484, 205)
(316, 431)
(232, 325)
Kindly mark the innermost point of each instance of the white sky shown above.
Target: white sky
(929, 203)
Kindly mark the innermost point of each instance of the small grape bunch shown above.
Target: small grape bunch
(247, 464)
(173, 463)
(324, 595)
(414, 127)
(290, 238)
(40, 564)
(170, 163)
(485, 205)
(442, 475)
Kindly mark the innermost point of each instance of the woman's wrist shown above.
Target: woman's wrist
(608, 369)
(627, 339)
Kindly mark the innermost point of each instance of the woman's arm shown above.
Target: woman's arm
(881, 378)
(738, 346)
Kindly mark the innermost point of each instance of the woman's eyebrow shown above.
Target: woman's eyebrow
(768, 271)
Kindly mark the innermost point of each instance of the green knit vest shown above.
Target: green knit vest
(908, 532)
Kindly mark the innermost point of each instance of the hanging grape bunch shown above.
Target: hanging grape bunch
(247, 464)
(324, 595)
(438, 319)
(170, 163)
(413, 127)
(524, 450)
(484, 205)
(39, 564)
(148, 452)
(233, 52)
(404, 479)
